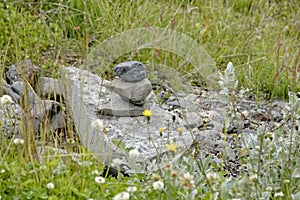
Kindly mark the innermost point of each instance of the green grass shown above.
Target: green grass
(260, 38)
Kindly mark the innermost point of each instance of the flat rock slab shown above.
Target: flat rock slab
(87, 93)
(117, 106)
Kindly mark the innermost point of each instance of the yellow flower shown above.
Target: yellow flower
(147, 113)
(161, 129)
(180, 130)
(172, 146)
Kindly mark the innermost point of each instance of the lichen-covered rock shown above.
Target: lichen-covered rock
(131, 71)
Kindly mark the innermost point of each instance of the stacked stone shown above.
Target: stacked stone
(132, 85)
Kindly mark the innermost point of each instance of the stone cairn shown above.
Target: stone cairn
(133, 86)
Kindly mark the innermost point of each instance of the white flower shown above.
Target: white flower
(5, 99)
(253, 178)
(99, 180)
(278, 194)
(131, 189)
(187, 181)
(97, 125)
(286, 181)
(158, 185)
(2, 171)
(134, 153)
(95, 172)
(90, 199)
(122, 196)
(116, 162)
(50, 186)
(269, 189)
(212, 177)
(18, 141)
(43, 167)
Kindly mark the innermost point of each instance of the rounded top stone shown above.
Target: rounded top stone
(132, 71)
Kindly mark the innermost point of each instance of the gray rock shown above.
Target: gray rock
(6, 89)
(11, 120)
(229, 154)
(40, 111)
(184, 103)
(117, 106)
(135, 93)
(22, 89)
(120, 133)
(48, 111)
(131, 71)
(193, 120)
(49, 87)
(25, 69)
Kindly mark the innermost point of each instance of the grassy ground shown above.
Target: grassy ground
(261, 39)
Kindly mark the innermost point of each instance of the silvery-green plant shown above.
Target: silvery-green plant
(274, 156)
(228, 84)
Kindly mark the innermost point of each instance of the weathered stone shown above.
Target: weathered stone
(131, 71)
(49, 87)
(135, 93)
(119, 107)
(184, 103)
(193, 120)
(25, 69)
(6, 89)
(85, 94)
(10, 119)
(22, 89)
(48, 111)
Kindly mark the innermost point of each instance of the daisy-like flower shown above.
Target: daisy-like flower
(168, 166)
(269, 135)
(2, 171)
(18, 141)
(253, 178)
(95, 172)
(278, 194)
(187, 181)
(131, 189)
(116, 162)
(161, 130)
(147, 114)
(212, 177)
(172, 146)
(156, 177)
(100, 180)
(122, 196)
(180, 130)
(5, 99)
(97, 125)
(50, 186)
(269, 189)
(133, 153)
(286, 181)
(174, 173)
(206, 118)
(158, 185)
